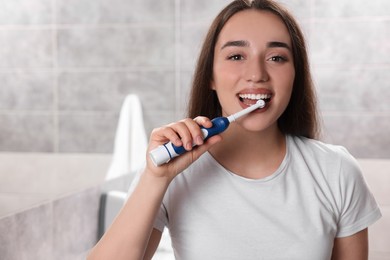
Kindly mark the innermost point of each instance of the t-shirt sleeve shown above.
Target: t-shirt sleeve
(358, 208)
(161, 219)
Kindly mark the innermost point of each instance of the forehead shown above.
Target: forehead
(254, 25)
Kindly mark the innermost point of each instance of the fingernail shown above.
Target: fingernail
(178, 142)
(189, 146)
(199, 140)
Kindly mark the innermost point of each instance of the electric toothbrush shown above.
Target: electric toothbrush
(164, 153)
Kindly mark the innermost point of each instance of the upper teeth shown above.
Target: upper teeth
(255, 96)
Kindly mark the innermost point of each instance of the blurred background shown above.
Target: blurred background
(66, 67)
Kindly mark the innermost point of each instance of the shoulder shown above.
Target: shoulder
(322, 152)
(334, 162)
(318, 147)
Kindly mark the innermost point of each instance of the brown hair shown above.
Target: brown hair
(300, 117)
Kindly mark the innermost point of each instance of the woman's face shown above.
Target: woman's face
(253, 60)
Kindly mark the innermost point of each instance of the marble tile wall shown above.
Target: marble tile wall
(66, 66)
(349, 45)
(65, 228)
(49, 204)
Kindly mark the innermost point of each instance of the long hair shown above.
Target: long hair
(300, 117)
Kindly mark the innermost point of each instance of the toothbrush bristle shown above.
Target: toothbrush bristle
(261, 103)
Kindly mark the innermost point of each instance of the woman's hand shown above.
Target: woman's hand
(129, 236)
(184, 133)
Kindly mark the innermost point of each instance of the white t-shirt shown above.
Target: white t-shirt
(318, 193)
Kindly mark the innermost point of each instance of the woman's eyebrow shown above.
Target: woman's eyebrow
(243, 43)
(278, 45)
(240, 43)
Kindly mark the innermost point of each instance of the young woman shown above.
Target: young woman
(263, 189)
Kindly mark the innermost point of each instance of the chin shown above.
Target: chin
(253, 126)
(258, 124)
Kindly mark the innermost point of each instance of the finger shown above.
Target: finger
(195, 130)
(165, 134)
(203, 121)
(182, 128)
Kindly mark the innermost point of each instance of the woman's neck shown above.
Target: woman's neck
(249, 154)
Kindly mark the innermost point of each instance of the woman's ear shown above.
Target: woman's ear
(212, 85)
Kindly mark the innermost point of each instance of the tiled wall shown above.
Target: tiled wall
(61, 229)
(66, 66)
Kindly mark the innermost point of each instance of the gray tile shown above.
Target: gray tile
(26, 48)
(377, 175)
(350, 43)
(26, 12)
(27, 235)
(185, 89)
(116, 47)
(202, 11)
(121, 183)
(375, 255)
(115, 11)
(379, 236)
(358, 90)
(192, 37)
(156, 119)
(27, 91)
(300, 9)
(76, 224)
(46, 176)
(346, 8)
(87, 133)
(106, 91)
(364, 135)
(81, 256)
(12, 203)
(26, 132)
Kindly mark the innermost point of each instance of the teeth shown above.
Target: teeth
(255, 96)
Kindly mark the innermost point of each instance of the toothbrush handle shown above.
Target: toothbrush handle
(164, 153)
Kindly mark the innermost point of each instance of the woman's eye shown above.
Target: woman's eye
(277, 59)
(236, 57)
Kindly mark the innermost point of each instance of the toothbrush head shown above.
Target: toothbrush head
(260, 103)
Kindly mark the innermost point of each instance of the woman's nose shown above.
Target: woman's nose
(256, 71)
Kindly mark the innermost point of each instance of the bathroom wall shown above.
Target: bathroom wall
(66, 66)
